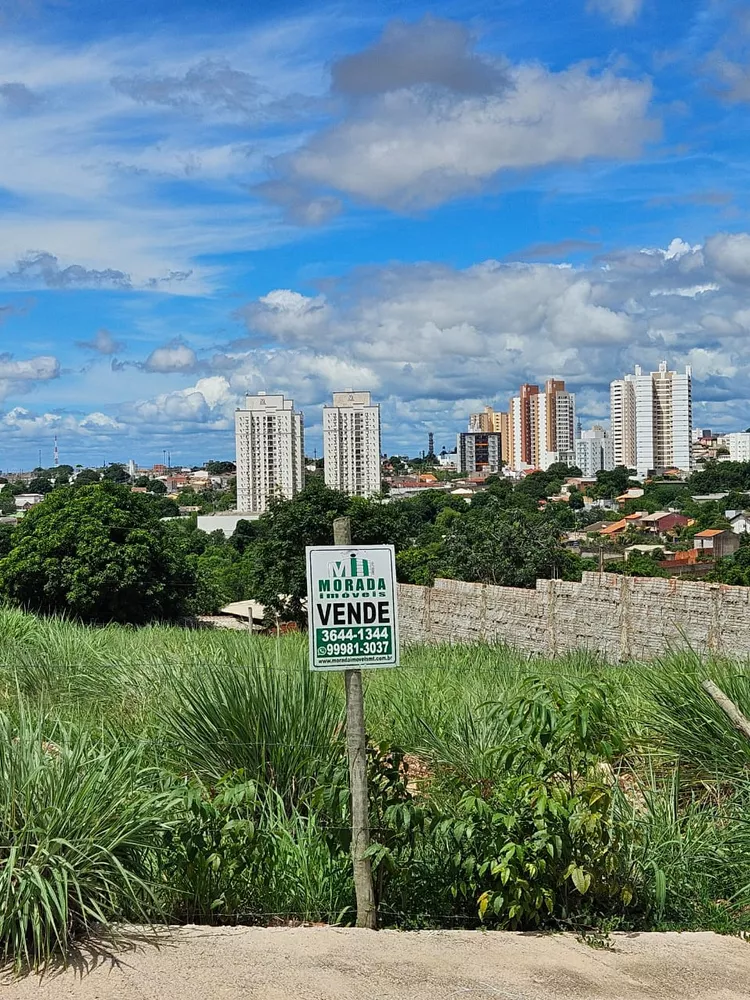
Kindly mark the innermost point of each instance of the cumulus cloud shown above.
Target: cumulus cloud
(730, 255)
(424, 336)
(173, 357)
(102, 343)
(209, 401)
(618, 11)
(431, 121)
(18, 97)
(41, 368)
(433, 51)
(26, 424)
(433, 342)
(41, 267)
(19, 376)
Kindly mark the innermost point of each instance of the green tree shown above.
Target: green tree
(721, 477)
(612, 483)
(220, 468)
(116, 473)
(507, 548)
(40, 485)
(7, 501)
(86, 477)
(277, 557)
(99, 553)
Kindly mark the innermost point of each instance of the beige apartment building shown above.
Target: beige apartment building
(351, 444)
(269, 439)
(541, 426)
(651, 420)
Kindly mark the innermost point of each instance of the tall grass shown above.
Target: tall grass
(279, 724)
(165, 773)
(78, 828)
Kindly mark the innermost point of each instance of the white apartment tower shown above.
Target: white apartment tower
(651, 420)
(739, 446)
(269, 436)
(351, 444)
(595, 452)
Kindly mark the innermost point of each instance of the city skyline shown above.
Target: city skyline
(195, 205)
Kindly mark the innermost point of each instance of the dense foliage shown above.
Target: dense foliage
(65, 557)
(180, 775)
(97, 552)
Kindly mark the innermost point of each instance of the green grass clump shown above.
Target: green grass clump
(79, 825)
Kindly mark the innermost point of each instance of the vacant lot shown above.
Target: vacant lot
(175, 777)
(338, 964)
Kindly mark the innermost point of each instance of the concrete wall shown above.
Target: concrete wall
(620, 618)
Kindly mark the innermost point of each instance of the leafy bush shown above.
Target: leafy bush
(238, 854)
(79, 825)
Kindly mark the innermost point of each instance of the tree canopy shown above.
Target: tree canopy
(98, 553)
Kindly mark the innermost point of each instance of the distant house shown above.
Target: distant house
(24, 501)
(664, 521)
(634, 493)
(616, 528)
(740, 522)
(716, 542)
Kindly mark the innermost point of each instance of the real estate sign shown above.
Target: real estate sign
(351, 606)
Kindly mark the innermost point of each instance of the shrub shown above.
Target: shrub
(78, 828)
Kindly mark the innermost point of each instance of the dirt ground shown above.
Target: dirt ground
(200, 963)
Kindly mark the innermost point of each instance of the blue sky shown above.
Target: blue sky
(434, 202)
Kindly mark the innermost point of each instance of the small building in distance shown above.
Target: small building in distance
(25, 501)
(663, 522)
(740, 521)
(478, 452)
(717, 542)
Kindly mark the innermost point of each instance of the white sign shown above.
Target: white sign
(352, 615)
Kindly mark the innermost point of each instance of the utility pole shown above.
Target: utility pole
(356, 747)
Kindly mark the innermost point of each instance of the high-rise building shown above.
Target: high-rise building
(351, 444)
(739, 446)
(478, 452)
(541, 426)
(493, 421)
(269, 436)
(595, 451)
(651, 420)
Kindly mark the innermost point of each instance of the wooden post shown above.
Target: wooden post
(356, 747)
(728, 707)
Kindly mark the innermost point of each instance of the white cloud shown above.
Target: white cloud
(209, 401)
(25, 424)
(433, 342)
(174, 357)
(729, 253)
(427, 118)
(29, 370)
(619, 11)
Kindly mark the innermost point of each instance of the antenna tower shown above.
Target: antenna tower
(57, 454)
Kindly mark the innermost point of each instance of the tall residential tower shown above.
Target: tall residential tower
(269, 437)
(542, 426)
(651, 420)
(351, 444)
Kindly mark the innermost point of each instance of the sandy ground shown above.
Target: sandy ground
(199, 963)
